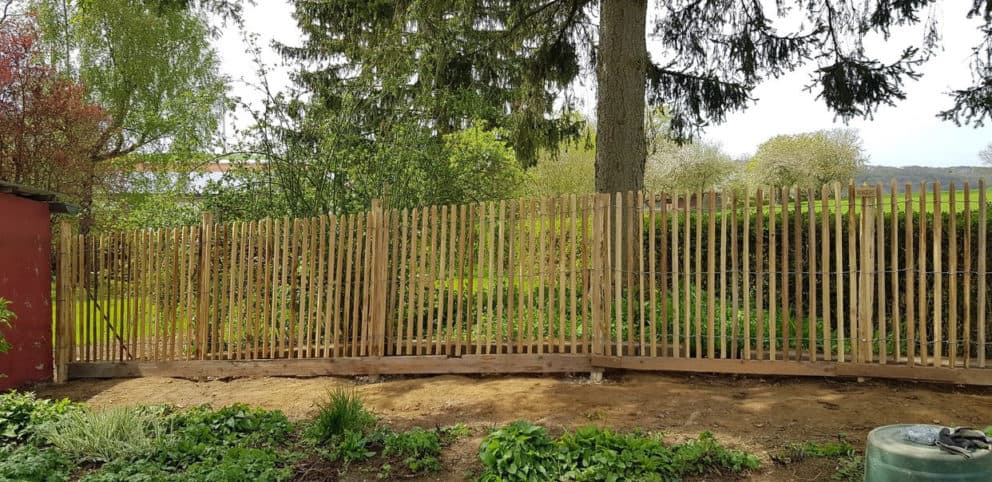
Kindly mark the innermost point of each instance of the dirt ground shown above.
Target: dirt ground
(756, 414)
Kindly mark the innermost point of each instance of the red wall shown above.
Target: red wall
(26, 280)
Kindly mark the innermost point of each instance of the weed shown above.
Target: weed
(241, 463)
(798, 452)
(851, 467)
(21, 414)
(453, 432)
(350, 447)
(103, 436)
(35, 464)
(340, 412)
(419, 448)
(592, 453)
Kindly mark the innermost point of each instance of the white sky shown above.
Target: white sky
(907, 134)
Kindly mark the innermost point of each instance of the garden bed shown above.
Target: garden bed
(760, 416)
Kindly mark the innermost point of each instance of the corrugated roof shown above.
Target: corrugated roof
(55, 205)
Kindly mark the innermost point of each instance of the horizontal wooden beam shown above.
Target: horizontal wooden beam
(706, 365)
(396, 365)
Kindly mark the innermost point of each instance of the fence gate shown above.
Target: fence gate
(835, 281)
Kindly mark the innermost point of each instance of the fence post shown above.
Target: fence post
(597, 272)
(203, 310)
(379, 258)
(63, 309)
(866, 275)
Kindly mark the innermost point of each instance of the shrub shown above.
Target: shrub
(241, 463)
(340, 412)
(520, 451)
(21, 414)
(106, 435)
(30, 463)
(420, 449)
(6, 317)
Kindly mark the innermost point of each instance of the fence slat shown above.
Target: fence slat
(922, 280)
(952, 278)
(982, 270)
(910, 282)
(938, 268)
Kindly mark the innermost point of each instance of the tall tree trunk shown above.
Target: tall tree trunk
(620, 75)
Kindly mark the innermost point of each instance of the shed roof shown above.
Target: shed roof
(52, 199)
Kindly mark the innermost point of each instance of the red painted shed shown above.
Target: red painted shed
(26, 280)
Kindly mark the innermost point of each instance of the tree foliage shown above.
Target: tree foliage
(691, 167)
(986, 155)
(47, 127)
(809, 159)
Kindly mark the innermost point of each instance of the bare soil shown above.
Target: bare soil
(756, 414)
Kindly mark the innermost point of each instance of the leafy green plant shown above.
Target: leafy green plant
(30, 463)
(706, 456)
(6, 319)
(241, 463)
(105, 435)
(351, 446)
(518, 452)
(851, 467)
(237, 424)
(22, 413)
(419, 448)
(592, 453)
(339, 413)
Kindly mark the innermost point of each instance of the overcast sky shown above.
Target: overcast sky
(907, 134)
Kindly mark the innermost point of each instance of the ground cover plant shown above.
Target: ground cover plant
(522, 451)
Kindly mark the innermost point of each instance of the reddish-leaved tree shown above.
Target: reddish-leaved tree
(47, 128)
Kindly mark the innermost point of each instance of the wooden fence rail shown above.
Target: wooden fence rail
(885, 281)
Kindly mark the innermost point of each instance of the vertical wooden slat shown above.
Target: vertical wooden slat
(462, 258)
(723, 275)
(676, 292)
(652, 275)
(772, 274)
(922, 278)
(503, 323)
(812, 275)
(363, 286)
(543, 332)
(894, 267)
(493, 322)
(313, 294)
(686, 270)
(525, 311)
(880, 275)
(839, 272)
(982, 270)
(852, 265)
(588, 219)
(938, 285)
(910, 282)
(437, 273)
(785, 316)
(638, 213)
(423, 278)
(573, 269)
(320, 309)
(698, 276)
(561, 254)
(340, 245)
(759, 275)
(952, 278)
(966, 302)
(618, 266)
(349, 269)
(413, 281)
(665, 274)
(734, 277)
(628, 221)
(453, 281)
(825, 270)
(711, 276)
(514, 295)
(444, 277)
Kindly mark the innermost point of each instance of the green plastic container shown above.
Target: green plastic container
(891, 458)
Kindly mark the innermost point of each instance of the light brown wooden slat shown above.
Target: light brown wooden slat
(541, 263)
(573, 270)
(698, 276)
(628, 221)
(320, 310)
(652, 275)
(735, 277)
(839, 272)
(982, 270)
(922, 278)
(773, 196)
(812, 275)
(341, 241)
(462, 313)
(785, 315)
(759, 275)
(676, 290)
(966, 302)
(825, 271)
(723, 275)
(910, 282)
(505, 326)
(473, 223)
(852, 257)
(687, 279)
(880, 276)
(561, 232)
(665, 273)
(617, 252)
(938, 285)
(431, 285)
(952, 278)
(711, 275)
(444, 278)
(438, 277)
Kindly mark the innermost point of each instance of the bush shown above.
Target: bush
(237, 424)
(30, 463)
(520, 451)
(340, 412)
(21, 414)
(106, 435)
(592, 453)
(6, 317)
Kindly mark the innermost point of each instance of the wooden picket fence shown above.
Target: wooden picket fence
(866, 281)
